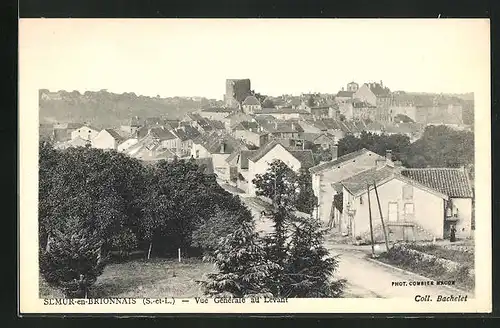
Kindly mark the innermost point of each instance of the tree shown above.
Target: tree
(180, 199)
(243, 267)
(268, 103)
(221, 224)
(279, 184)
(309, 268)
(306, 200)
(72, 261)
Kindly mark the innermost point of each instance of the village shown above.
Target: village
(368, 201)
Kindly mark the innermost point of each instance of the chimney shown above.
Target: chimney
(335, 152)
(381, 84)
(223, 148)
(388, 155)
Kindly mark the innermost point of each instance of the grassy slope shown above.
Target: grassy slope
(142, 278)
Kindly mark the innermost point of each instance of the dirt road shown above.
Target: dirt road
(366, 278)
(370, 279)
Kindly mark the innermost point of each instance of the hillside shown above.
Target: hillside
(104, 108)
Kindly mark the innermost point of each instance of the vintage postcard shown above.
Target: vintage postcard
(254, 166)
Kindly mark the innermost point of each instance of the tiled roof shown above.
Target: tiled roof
(217, 125)
(162, 134)
(357, 184)
(282, 127)
(449, 181)
(251, 100)
(218, 110)
(305, 157)
(244, 156)
(378, 90)
(264, 150)
(215, 143)
(115, 134)
(345, 93)
(347, 157)
(180, 134)
(281, 111)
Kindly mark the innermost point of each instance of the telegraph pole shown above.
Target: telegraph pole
(381, 217)
(370, 216)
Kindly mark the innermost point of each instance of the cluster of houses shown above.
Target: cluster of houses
(414, 204)
(238, 142)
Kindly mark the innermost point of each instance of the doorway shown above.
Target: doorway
(393, 212)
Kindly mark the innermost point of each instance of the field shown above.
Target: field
(146, 278)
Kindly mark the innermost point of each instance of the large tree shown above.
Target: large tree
(281, 256)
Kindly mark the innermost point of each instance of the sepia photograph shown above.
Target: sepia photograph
(255, 165)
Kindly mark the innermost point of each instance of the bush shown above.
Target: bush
(72, 262)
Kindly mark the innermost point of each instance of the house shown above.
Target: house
(260, 160)
(251, 104)
(197, 121)
(312, 126)
(218, 147)
(335, 128)
(85, 132)
(132, 126)
(166, 138)
(285, 113)
(374, 94)
(455, 183)
(235, 118)
(251, 133)
(107, 139)
(321, 111)
(215, 113)
(410, 210)
(75, 142)
(238, 166)
(324, 140)
(411, 130)
(62, 131)
(377, 95)
(184, 142)
(326, 174)
(374, 127)
(127, 143)
(362, 110)
(342, 96)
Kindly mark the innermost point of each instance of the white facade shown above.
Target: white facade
(198, 151)
(104, 140)
(261, 166)
(322, 181)
(424, 208)
(126, 144)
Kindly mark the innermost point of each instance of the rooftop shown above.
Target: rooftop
(342, 159)
(251, 100)
(449, 181)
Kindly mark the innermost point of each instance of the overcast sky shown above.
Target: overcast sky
(194, 57)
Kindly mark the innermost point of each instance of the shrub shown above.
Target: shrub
(72, 262)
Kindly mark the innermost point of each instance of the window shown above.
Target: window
(361, 199)
(407, 192)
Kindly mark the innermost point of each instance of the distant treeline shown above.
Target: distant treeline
(103, 108)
